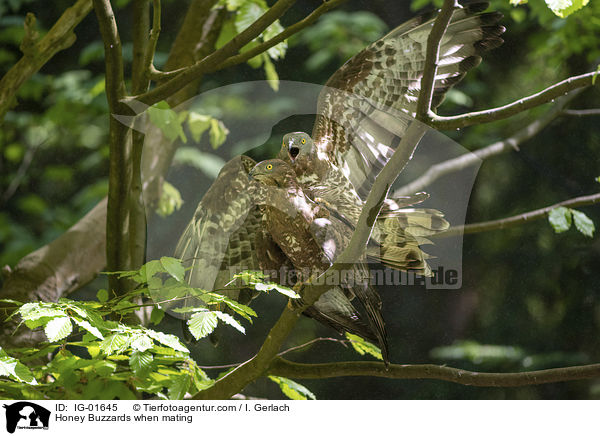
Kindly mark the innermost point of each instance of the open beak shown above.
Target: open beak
(293, 151)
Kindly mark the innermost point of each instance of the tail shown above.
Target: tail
(402, 232)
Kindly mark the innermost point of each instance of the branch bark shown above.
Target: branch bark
(285, 368)
(516, 220)
(59, 37)
(431, 58)
(552, 92)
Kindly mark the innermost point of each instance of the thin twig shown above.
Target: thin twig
(431, 58)
(511, 143)
(523, 104)
(518, 219)
(189, 74)
(344, 342)
(581, 112)
(286, 368)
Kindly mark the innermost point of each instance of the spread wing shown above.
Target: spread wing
(368, 103)
(220, 239)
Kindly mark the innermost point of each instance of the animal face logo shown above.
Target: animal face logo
(26, 415)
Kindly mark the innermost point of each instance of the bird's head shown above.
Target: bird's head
(273, 172)
(295, 145)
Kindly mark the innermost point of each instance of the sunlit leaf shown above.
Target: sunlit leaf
(87, 326)
(293, 390)
(363, 347)
(564, 8)
(173, 267)
(201, 324)
(228, 319)
(583, 223)
(560, 219)
(58, 328)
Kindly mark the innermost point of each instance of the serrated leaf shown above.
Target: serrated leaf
(58, 328)
(201, 324)
(265, 287)
(141, 362)
(113, 343)
(12, 368)
(179, 386)
(583, 223)
(33, 311)
(102, 295)
(173, 267)
(157, 316)
(142, 343)
(560, 219)
(293, 390)
(90, 328)
(228, 319)
(168, 340)
(361, 346)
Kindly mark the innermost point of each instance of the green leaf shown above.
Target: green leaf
(583, 223)
(58, 328)
(157, 315)
(33, 311)
(168, 340)
(167, 120)
(265, 287)
(293, 390)
(142, 343)
(170, 200)
(361, 346)
(179, 386)
(228, 319)
(90, 328)
(198, 124)
(201, 324)
(12, 368)
(141, 362)
(218, 133)
(564, 8)
(560, 219)
(173, 267)
(113, 343)
(102, 295)
(271, 73)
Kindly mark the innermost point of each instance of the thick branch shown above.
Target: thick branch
(506, 111)
(431, 58)
(58, 38)
(210, 62)
(516, 220)
(286, 368)
(474, 158)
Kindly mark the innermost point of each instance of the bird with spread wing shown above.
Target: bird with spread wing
(362, 113)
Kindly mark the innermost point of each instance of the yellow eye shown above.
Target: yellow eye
(303, 141)
(269, 167)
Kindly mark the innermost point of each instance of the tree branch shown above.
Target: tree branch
(289, 31)
(581, 112)
(58, 38)
(506, 111)
(516, 220)
(431, 58)
(286, 368)
(211, 61)
(509, 144)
